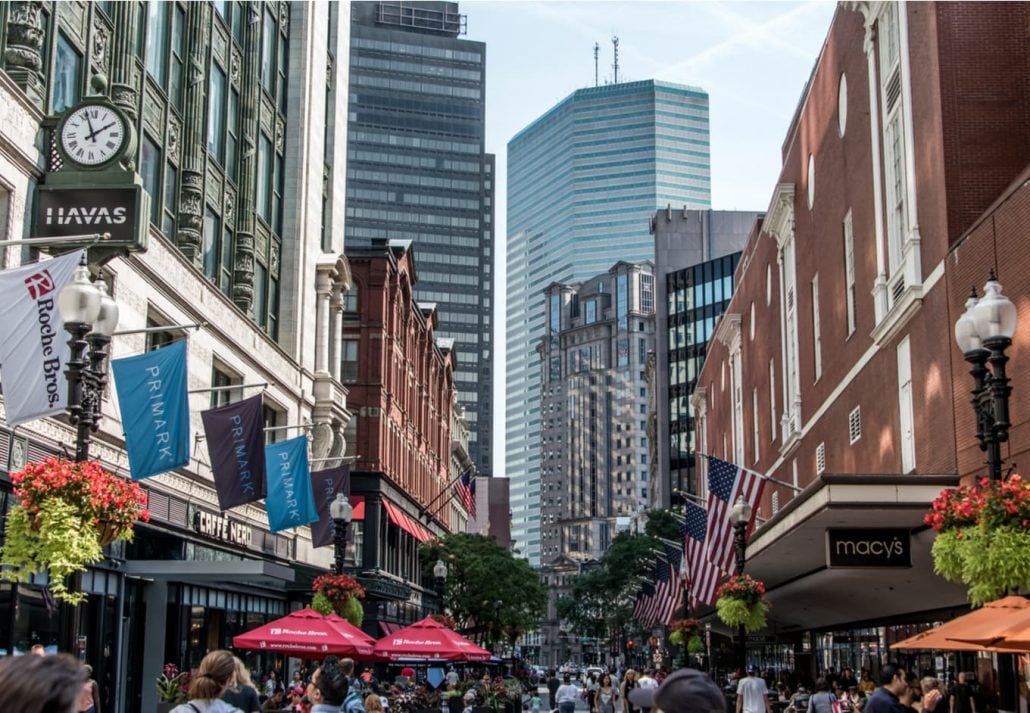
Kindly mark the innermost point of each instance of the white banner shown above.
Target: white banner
(33, 343)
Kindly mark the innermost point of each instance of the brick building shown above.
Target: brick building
(400, 382)
(834, 368)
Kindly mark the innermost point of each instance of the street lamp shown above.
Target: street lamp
(983, 333)
(340, 511)
(90, 317)
(440, 576)
(740, 516)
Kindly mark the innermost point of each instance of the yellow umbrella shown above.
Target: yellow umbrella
(978, 630)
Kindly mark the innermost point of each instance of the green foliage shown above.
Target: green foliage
(320, 603)
(734, 612)
(695, 645)
(987, 561)
(676, 638)
(662, 523)
(490, 593)
(61, 543)
(353, 612)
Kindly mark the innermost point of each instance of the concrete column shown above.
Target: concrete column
(243, 260)
(336, 333)
(323, 292)
(124, 91)
(156, 597)
(189, 234)
(23, 56)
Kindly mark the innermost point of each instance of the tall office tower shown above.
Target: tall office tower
(583, 182)
(417, 170)
(593, 359)
(696, 253)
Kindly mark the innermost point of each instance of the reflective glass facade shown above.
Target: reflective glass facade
(416, 170)
(583, 180)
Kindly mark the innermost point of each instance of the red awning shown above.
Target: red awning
(410, 526)
(428, 640)
(307, 633)
(358, 503)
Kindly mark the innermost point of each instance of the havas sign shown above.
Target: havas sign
(869, 548)
(64, 212)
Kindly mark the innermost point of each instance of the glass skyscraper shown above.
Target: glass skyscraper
(583, 182)
(417, 170)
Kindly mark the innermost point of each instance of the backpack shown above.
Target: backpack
(353, 703)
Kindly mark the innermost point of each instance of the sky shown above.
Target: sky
(753, 59)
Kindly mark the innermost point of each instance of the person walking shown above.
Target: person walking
(567, 695)
(217, 673)
(629, 682)
(822, 700)
(89, 699)
(38, 684)
(885, 699)
(961, 699)
(243, 693)
(607, 696)
(552, 689)
(752, 693)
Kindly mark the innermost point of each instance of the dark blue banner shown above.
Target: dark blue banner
(236, 445)
(326, 484)
(152, 396)
(290, 501)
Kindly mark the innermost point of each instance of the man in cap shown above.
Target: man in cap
(685, 691)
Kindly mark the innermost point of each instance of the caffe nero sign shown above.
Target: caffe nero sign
(65, 212)
(868, 548)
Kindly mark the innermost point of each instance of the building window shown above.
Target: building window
(772, 400)
(854, 425)
(264, 178)
(590, 312)
(349, 360)
(849, 271)
(211, 237)
(222, 377)
(150, 165)
(158, 339)
(754, 423)
(905, 404)
(842, 104)
(811, 180)
(216, 114)
(646, 292)
(67, 75)
(273, 419)
(889, 38)
(622, 301)
(350, 299)
(817, 339)
(268, 56)
(157, 41)
(170, 202)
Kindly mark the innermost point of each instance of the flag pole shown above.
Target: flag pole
(762, 476)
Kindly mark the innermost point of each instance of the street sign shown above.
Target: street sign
(868, 548)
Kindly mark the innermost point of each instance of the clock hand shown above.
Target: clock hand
(90, 125)
(102, 128)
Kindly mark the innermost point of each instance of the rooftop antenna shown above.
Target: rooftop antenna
(615, 45)
(597, 52)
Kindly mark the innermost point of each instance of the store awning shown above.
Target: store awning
(239, 571)
(399, 518)
(789, 552)
(358, 503)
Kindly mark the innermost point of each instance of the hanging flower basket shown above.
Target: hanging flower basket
(67, 512)
(339, 594)
(983, 537)
(739, 602)
(683, 630)
(695, 645)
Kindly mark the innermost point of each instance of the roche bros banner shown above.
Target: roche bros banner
(33, 344)
(236, 445)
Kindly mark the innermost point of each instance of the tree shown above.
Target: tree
(491, 594)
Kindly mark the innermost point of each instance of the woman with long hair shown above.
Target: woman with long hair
(373, 704)
(244, 694)
(606, 697)
(217, 673)
(629, 682)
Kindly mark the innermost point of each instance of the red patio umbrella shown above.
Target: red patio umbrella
(429, 640)
(308, 632)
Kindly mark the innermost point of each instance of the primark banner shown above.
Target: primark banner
(153, 397)
(33, 345)
(290, 501)
(236, 446)
(326, 484)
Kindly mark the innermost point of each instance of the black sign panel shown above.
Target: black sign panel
(868, 548)
(63, 212)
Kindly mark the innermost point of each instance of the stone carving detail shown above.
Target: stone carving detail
(273, 260)
(24, 52)
(174, 130)
(284, 17)
(280, 134)
(229, 211)
(101, 37)
(123, 59)
(189, 235)
(235, 63)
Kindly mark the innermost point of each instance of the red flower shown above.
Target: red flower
(742, 586)
(988, 503)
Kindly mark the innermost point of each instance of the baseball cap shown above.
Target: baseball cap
(685, 691)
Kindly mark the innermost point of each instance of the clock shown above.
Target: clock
(93, 134)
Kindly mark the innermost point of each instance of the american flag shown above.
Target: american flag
(467, 492)
(643, 603)
(727, 482)
(702, 575)
(674, 553)
(667, 592)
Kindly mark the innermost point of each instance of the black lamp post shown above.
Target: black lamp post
(984, 332)
(740, 516)
(440, 578)
(90, 318)
(340, 511)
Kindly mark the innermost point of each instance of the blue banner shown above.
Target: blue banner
(236, 445)
(151, 391)
(290, 501)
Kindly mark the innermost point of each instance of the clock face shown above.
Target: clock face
(92, 134)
